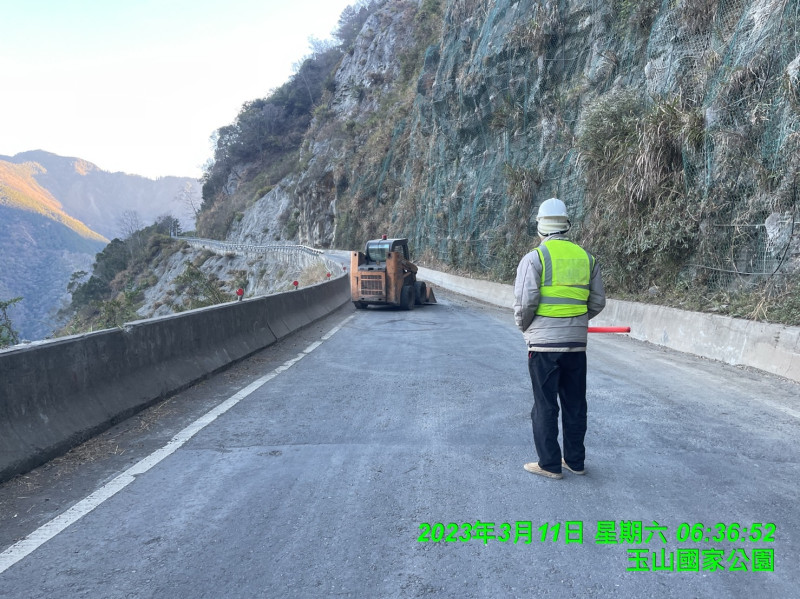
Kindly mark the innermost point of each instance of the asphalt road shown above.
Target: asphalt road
(323, 477)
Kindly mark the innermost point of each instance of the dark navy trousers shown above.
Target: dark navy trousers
(558, 376)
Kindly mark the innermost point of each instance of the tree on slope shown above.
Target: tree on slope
(8, 336)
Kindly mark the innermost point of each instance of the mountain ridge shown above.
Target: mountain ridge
(19, 189)
(56, 214)
(98, 198)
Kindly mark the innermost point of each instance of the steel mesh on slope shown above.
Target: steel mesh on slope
(521, 110)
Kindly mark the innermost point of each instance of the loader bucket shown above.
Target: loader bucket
(429, 297)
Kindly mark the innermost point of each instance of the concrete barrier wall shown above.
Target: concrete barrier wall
(56, 394)
(769, 347)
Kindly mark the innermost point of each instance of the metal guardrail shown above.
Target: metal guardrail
(224, 246)
(287, 249)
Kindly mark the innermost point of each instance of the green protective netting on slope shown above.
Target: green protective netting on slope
(496, 128)
(735, 65)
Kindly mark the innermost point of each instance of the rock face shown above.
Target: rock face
(307, 200)
(657, 122)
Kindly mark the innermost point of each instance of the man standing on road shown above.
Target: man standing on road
(557, 290)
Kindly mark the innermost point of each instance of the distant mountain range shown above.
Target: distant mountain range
(56, 213)
(96, 197)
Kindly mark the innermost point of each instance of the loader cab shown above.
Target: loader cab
(378, 249)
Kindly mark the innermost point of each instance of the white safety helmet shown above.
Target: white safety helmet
(552, 217)
(552, 208)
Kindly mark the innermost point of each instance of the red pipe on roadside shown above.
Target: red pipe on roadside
(609, 329)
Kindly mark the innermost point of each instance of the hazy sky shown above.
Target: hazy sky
(139, 86)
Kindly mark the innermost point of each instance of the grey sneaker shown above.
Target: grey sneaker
(565, 465)
(533, 468)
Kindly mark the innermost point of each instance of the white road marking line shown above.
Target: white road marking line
(312, 347)
(44, 533)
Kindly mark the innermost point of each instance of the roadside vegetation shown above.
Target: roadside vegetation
(110, 295)
(642, 218)
(8, 335)
(651, 223)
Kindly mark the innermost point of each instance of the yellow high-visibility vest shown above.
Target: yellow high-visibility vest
(566, 273)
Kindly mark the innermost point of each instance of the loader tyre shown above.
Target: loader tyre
(421, 291)
(407, 297)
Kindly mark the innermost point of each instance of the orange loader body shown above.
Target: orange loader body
(383, 275)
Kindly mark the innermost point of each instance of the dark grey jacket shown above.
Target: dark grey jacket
(544, 333)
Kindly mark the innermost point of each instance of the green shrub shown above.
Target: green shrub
(8, 335)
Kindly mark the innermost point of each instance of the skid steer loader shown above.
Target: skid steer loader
(383, 275)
